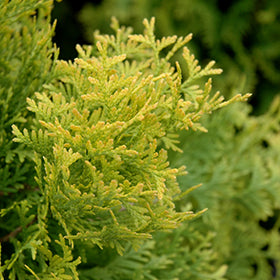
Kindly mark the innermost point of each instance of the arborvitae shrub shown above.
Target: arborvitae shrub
(238, 163)
(26, 63)
(241, 35)
(87, 190)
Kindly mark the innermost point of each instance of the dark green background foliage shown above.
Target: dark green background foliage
(238, 165)
(85, 174)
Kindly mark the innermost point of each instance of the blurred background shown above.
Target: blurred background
(242, 36)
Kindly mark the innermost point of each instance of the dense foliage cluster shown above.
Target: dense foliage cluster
(242, 36)
(238, 165)
(87, 190)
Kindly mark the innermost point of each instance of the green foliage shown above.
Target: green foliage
(237, 161)
(98, 134)
(182, 254)
(25, 65)
(238, 164)
(103, 127)
(241, 35)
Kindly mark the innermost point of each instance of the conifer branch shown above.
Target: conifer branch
(15, 232)
(98, 132)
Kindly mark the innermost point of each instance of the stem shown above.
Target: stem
(15, 232)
